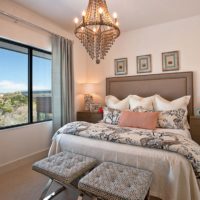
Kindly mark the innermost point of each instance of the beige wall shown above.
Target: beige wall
(22, 141)
(182, 35)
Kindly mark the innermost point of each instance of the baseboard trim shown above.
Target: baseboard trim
(29, 159)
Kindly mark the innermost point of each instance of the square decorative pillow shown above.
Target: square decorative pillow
(111, 116)
(136, 101)
(115, 103)
(172, 119)
(161, 104)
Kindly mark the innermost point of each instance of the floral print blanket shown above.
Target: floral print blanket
(138, 137)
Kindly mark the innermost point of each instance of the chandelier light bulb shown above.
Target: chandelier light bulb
(94, 30)
(76, 20)
(100, 10)
(83, 13)
(115, 15)
(117, 23)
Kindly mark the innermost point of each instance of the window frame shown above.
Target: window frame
(30, 81)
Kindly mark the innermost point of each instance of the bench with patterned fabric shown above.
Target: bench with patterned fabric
(110, 181)
(64, 168)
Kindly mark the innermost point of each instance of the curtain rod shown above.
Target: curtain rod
(17, 19)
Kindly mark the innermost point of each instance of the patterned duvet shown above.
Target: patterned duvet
(138, 137)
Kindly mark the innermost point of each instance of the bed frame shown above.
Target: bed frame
(169, 85)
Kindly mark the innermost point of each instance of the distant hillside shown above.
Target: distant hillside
(39, 93)
(35, 93)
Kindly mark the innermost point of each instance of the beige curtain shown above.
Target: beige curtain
(62, 82)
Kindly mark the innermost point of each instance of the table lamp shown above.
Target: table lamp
(88, 89)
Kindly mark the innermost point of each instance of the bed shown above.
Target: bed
(173, 175)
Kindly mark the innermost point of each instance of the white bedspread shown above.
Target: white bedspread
(173, 175)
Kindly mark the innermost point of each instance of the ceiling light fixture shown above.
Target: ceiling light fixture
(97, 30)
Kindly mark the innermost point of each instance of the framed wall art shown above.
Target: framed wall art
(144, 64)
(121, 66)
(170, 61)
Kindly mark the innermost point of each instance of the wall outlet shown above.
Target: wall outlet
(197, 112)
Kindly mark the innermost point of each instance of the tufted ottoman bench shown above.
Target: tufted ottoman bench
(64, 168)
(110, 181)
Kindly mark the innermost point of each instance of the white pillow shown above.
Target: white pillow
(161, 104)
(136, 101)
(115, 103)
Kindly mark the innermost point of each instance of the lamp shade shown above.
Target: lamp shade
(88, 88)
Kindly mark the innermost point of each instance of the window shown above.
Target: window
(25, 84)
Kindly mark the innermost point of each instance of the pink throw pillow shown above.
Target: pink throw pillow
(144, 120)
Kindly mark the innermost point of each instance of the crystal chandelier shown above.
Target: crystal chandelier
(97, 30)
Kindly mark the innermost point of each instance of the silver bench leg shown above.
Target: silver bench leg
(48, 185)
(46, 189)
(53, 194)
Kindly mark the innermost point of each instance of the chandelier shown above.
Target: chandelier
(97, 30)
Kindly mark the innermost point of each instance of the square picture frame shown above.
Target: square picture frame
(197, 112)
(121, 66)
(170, 61)
(94, 107)
(144, 64)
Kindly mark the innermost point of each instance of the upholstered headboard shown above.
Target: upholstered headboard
(169, 85)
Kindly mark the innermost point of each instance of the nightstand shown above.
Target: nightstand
(93, 117)
(195, 128)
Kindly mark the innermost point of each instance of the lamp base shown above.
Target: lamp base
(88, 99)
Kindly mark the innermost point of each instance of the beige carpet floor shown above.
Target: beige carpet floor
(25, 184)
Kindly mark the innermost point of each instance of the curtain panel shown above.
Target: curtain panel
(62, 82)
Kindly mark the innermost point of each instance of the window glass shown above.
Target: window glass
(41, 86)
(13, 85)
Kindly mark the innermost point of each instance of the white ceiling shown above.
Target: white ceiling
(132, 14)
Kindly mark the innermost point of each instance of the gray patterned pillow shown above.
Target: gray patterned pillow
(141, 109)
(111, 116)
(173, 119)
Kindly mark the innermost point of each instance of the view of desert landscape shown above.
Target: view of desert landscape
(14, 108)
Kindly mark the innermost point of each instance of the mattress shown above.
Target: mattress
(173, 175)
